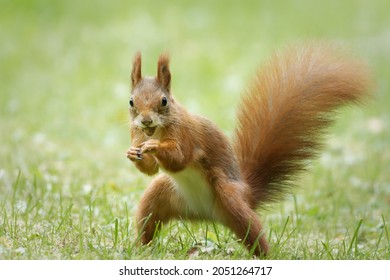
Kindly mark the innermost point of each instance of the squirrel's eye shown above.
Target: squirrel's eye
(164, 101)
(131, 102)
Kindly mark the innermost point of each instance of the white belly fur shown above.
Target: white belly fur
(196, 192)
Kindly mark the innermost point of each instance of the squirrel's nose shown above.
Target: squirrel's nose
(146, 121)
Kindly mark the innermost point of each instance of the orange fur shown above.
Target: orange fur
(287, 110)
(281, 121)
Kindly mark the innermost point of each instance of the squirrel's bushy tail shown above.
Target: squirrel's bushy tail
(286, 111)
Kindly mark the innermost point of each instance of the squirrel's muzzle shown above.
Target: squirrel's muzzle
(147, 121)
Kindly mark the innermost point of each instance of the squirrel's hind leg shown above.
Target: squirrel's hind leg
(158, 205)
(235, 213)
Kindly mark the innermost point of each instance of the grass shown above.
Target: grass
(67, 190)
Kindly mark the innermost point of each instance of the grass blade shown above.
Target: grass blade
(354, 241)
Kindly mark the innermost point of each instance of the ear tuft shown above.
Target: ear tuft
(163, 73)
(136, 75)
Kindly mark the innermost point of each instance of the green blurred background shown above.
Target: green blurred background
(65, 64)
(64, 82)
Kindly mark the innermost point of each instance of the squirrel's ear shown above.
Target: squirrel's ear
(136, 75)
(163, 74)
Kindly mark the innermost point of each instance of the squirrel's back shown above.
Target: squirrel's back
(286, 110)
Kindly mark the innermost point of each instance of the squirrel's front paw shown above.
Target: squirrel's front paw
(150, 146)
(134, 153)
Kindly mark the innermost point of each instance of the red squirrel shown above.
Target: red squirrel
(281, 121)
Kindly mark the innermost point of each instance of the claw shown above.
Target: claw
(139, 154)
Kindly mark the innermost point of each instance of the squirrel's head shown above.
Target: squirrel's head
(150, 100)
